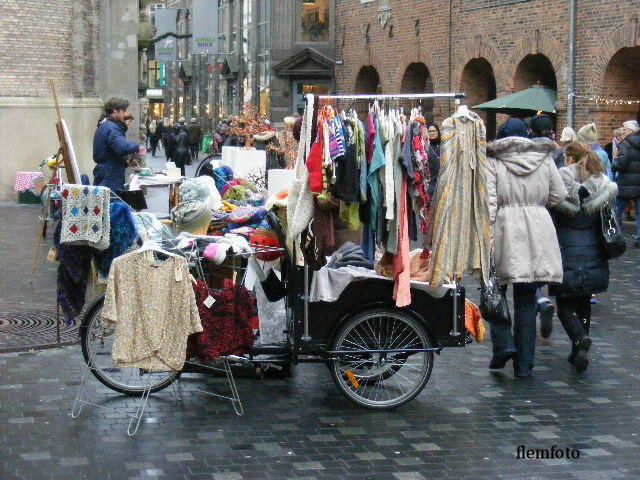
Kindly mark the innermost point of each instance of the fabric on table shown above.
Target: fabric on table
(154, 310)
(329, 283)
(85, 216)
(25, 180)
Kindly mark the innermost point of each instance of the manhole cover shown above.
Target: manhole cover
(23, 328)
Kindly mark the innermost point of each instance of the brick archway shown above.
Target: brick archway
(478, 81)
(481, 48)
(373, 62)
(539, 43)
(622, 37)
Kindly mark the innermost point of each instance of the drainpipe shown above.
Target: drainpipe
(572, 61)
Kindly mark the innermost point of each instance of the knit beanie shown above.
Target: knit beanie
(513, 127)
(588, 134)
(194, 190)
(541, 125)
(191, 215)
(568, 135)
(631, 125)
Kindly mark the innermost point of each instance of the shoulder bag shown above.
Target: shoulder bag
(612, 237)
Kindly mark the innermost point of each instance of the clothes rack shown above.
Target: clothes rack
(385, 96)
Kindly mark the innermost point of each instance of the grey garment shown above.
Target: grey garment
(601, 191)
(349, 254)
(272, 318)
(522, 182)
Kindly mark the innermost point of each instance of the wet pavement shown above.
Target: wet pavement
(467, 424)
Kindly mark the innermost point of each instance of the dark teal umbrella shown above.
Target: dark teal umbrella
(536, 98)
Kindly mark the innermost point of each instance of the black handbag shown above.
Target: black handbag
(493, 301)
(273, 287)
(613, 239)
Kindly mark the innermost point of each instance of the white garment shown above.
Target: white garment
(329, 283)
(389, 185)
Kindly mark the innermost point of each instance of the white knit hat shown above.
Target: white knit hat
(568, 135)
(631, 125)
(588, 133)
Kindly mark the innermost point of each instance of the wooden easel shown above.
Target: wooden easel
(63, 158)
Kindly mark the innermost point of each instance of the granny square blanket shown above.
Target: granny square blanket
(85, 216)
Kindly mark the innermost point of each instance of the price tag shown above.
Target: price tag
(209, 301)
(178, 273)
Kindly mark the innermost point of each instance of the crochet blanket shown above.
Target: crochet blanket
(85, 216)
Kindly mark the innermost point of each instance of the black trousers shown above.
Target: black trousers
(154, 144)
(575, 315)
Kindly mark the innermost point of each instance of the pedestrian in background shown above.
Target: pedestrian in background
(522, 181)
(167, 139)
(630, 126)
(194, 134)
(568, 135)
(589, 135)
(611, 148)
(181, 155)
(433, 157)
(541, 127)
(579, 228)
(110, 146)
(627, 167)
(156, 136)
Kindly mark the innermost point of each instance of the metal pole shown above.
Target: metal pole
(572, 59)
(397, 95)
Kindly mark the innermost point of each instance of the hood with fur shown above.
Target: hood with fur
(521, 156)
(601, 191)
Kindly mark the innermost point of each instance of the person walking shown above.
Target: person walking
(181, 155)
(522, 182)
(541, 126)
(627, 167)
(194, 135)
(579, 228)
(168, 142)
(110, 146)
(156, 135)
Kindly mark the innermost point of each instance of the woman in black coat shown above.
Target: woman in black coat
(584, 263)
(181, 153)
(433, 156)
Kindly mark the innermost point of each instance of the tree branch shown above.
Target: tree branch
(169, 34)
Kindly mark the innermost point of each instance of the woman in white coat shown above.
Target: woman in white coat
(522, 183)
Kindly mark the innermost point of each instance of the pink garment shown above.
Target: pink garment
(24, 180)
(402, 261)
(371, 135)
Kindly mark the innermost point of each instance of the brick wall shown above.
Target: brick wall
(42, 40)
(524, 43)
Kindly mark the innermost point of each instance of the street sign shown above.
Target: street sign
(205, 26)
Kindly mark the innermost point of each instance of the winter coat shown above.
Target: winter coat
(181, 155)
(110, 147)
(194, 134)
(169, 139)
(433, 157)
(578, 224)
(522, 182)
(627, 164)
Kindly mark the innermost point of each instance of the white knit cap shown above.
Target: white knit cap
(568, 135)
(631, 125)
(588, 133)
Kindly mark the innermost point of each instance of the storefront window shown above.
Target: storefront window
(313, 20)
(302, 88)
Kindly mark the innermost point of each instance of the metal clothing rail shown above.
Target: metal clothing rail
(383, 96)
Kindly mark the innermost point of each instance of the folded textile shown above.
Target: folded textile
(85, 216)
(349, 254)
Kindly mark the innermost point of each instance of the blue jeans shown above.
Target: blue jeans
(621, 204)
(523, 339)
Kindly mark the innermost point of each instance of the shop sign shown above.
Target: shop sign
(204, 26)
(154, 93)
(166, 49)
(162, 74)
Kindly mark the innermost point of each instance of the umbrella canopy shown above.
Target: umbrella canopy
(535, 98)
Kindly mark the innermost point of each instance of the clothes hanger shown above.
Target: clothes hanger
(152, 246)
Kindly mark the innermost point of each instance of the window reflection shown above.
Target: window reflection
(313, 21)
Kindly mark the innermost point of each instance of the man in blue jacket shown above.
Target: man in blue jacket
(110, 146)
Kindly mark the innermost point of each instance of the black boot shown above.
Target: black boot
(581, 357)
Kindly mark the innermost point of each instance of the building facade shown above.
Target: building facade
(269, 54)
(491, 48)
(89, 48)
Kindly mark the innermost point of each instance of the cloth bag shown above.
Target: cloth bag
(612, 236)
(300, 206)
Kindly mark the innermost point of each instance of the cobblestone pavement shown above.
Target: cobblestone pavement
(466, 424)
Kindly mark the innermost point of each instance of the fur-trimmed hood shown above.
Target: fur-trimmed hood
(520, 155)
(264, 136)
(601, 191)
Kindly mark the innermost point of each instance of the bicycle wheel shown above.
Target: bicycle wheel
(386, 379)
(96, 337)
(205, 167)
